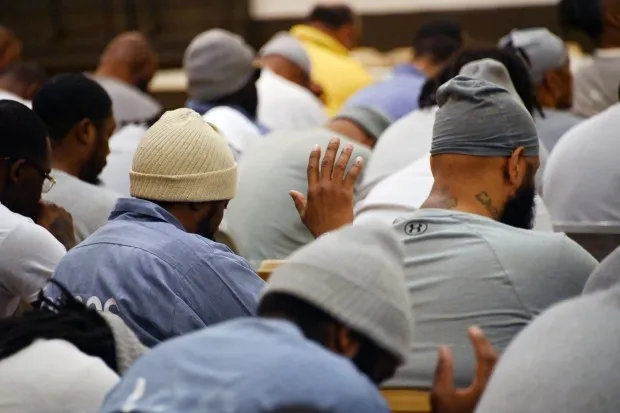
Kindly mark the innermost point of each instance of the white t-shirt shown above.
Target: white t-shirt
(582, 176)
(238, 130)
(89, 205)
(405, 192)
(123, 145)
(53, 376)
(284, 105)
(6, 95)
(28, 256)
(406, 141)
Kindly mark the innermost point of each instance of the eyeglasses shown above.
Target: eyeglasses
(48, 180)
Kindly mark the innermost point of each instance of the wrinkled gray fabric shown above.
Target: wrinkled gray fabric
(480, 118)
(606, 276)
(566, 361)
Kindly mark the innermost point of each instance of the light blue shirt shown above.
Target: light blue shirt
(251, 365)
(161, 280)
(396, 96)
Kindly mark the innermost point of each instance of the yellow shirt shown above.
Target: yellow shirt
(333, 68)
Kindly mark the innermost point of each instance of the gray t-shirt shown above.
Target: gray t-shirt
(466, 270)
(554, 125)
(262, 219)
(564, 362)
(130, 105)
(581, 178)
(606, 276)
(89, 205)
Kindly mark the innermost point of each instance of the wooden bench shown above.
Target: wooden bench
(267, 267)
(407, 401)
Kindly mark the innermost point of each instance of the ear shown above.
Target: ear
(86, 132)
(347, 345)
(15, 172)
(516, 167)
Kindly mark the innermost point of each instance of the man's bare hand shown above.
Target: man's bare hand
(444, 397)
(57, 221)
(329, 205)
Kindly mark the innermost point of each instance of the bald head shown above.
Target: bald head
(10, 48)
(129, 57)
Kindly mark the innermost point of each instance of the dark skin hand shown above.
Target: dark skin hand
(329, 204)
(444, 397)
(58, 222)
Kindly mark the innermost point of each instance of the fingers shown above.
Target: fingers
(300, 202)
(313, 166)
(444, 371)
(341, 164)
(354, 173)
(327, 165)
(486, 357)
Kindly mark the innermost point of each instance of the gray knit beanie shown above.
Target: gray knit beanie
(128, 347)
(287, 46)
(355, 274)
(217, 64)
(370, 119)
(480, 118)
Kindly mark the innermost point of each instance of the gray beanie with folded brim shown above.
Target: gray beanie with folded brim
(217, 64)
(356, 275)
(481, 118)
(128, 347)
(288, 47)
(371, 120)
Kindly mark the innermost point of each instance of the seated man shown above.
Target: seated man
(406, 190)
(154, 263)
(286, 93)
(78, 115)
(261, 220)
(322, 349)
(581, 172)
(127, 66)
(222, 77)
(469, 258)
(435, 44)
(28, 250)
(21, 82)
(549, 64)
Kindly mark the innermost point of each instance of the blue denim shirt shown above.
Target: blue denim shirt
(161, 280)
(396, 96)
(250, 365)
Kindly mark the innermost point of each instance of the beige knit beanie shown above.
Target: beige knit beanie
(182, 158)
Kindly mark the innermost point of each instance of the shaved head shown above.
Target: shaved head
(130, 58)
(10, 48)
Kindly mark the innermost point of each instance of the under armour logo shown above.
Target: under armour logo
(415, 228)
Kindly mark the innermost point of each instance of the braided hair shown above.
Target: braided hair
(65, 319)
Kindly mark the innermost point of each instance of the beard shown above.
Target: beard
(205, 227)
(520, 210)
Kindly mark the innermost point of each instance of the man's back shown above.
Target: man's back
(582, 171)
(262, 218)
(333, 68)
(464, 269)
(596, 82)
(244, 366)
(396, 96)
(160, 279)
(554, 125)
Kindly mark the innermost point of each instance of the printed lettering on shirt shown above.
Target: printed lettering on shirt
(94, 302)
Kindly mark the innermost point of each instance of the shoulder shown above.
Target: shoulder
(33, 238)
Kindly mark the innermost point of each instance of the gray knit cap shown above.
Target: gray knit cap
(287, 46)
(355, 274)
(217, 63)
(128, 347)
(371, 120)
(480, 118)
(545, 50)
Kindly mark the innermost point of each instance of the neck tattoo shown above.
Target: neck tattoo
(484, 198)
